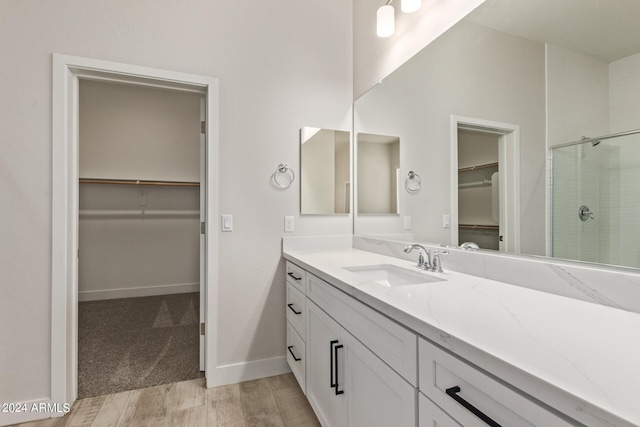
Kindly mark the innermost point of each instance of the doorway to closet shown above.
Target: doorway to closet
(68, 74)
(485, 183)
(140, 154)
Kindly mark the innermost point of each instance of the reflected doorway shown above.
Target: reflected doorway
(485, 184)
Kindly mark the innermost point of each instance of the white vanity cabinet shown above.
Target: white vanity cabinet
(471, 397)
(357, 361)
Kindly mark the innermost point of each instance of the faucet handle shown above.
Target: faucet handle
(437, 264)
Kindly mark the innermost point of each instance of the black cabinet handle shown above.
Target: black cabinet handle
(335, 352)
(453, 392)
(296, 278)
(293, 309)
(297, 359)
(331, 368)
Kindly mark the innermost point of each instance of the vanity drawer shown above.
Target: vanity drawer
(296, 304)
(296, 356)
(394, 344)
(296, 276)
(445, 378)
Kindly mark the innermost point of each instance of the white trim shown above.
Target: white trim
(67, 70)
(140, 291)
(10, 418)
(510, 134)
(248, 371)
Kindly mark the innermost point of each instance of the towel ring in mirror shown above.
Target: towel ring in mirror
(281, 171)
(413, 182)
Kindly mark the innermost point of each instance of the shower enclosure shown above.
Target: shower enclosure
(595, 199)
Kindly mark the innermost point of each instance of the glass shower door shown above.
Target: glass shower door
(596, 201)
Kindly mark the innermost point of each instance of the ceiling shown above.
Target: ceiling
(604, 29)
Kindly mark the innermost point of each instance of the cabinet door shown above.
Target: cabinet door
(432, 416)
(323, 336)
(377, 396)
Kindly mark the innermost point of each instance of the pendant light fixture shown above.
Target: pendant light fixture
(410, 6)
(386, 21)
(386, 16)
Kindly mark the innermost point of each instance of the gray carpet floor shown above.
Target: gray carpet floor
(130, 343)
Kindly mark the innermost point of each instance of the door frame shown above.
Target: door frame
(67, 71)
(509, 135)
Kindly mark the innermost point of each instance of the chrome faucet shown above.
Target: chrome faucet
(431, 264)
(436, 265)
(422, 264)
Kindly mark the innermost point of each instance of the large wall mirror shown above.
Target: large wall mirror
(325, 171)
(521, 122)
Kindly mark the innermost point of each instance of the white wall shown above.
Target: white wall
(624, 94)
(416, 103)
(577, 95)
(271, 58)
(131, 246)
(375, 58)
(135, 132)
(128, 250)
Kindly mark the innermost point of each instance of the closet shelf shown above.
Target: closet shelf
(479, 227)
(136, 182)
(476, 167)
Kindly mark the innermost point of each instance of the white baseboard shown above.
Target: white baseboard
(143, 291)
(239, 372)
(34, 411)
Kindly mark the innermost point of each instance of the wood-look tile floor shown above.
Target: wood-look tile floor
(276, 401)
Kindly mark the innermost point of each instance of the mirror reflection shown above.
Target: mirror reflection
(544, 74)
(378, 174)
(325, 179)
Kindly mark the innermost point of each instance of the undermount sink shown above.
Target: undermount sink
(391, 275)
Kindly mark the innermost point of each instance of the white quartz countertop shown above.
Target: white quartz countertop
(578, 357)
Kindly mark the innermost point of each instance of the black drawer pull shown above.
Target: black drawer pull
(293, 309)
(335, 351)
(295, 278)
(453, 392)
(331, 369)
(297, 359)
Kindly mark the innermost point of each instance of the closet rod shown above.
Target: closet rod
(136, 182)
(479, 227)
(476, 167)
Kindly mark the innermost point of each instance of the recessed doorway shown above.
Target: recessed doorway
(485, 177)
(68, 71)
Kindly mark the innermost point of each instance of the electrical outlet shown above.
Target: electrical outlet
(288, 224)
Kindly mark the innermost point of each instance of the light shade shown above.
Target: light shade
(409, 6)
(386, 21)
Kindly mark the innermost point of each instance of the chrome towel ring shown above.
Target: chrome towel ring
(413, 182)
(283, 169)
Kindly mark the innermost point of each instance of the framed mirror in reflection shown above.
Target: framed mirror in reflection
(325, 171)
(556, 72)
(378, 174)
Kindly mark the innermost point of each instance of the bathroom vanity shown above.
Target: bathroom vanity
(368, 349)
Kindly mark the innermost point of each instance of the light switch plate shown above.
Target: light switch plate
(227, 223)
(288, 224)
(407, 222)
(446, 221)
